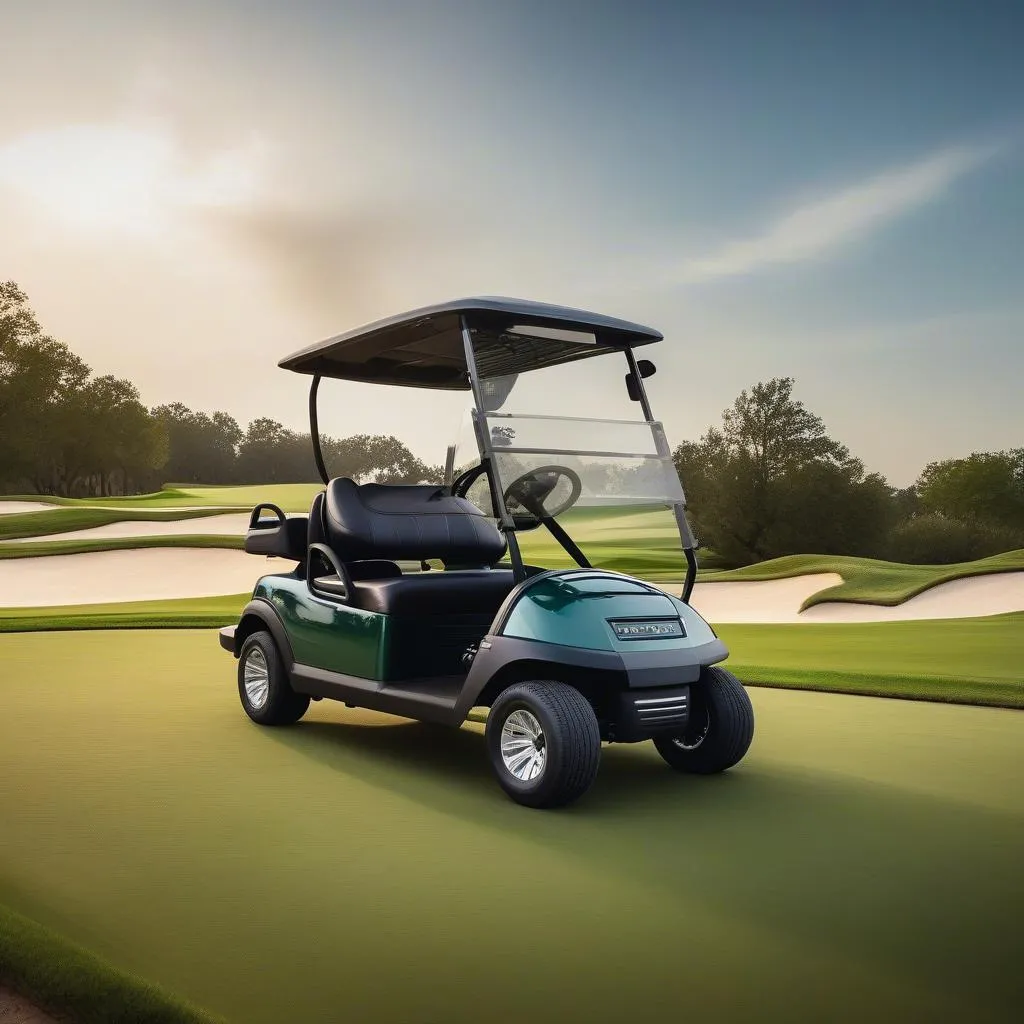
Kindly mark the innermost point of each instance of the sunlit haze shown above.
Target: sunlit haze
(189, 192)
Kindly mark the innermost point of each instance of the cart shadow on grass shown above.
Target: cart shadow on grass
(845, 866)
(447, 765)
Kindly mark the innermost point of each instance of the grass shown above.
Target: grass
(861, 864)
(185, 613)
(868, 580)
(36, 549)
(964, 661)
(65, 978)
(289, 497)
(971, 661)
(40, 524)
(640, 542)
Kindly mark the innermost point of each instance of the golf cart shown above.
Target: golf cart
(563, 658)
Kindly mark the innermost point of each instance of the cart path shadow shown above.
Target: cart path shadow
(870, 871)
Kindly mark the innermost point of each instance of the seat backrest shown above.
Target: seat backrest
(316, 533)
(408, 522)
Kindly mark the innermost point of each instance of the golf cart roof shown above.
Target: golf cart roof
(424, 348)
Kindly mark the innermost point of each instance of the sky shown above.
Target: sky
(828, 191)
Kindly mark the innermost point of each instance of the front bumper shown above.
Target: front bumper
(641, 714)
(227, 638)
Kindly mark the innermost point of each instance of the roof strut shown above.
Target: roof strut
(314, 431)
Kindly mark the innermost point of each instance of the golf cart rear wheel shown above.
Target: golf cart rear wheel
(263, 686)
(544, 743)
(720, 729)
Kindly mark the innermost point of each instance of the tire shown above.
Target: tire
(721, 728)
(277, 703)
(570, 739)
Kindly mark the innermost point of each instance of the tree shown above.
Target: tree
(201, 448)
(270, 453)
(120, 441)
(38, 377)
(770, 481)
(379, 458)
(985, 488)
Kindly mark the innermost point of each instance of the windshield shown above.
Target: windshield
(567, 436)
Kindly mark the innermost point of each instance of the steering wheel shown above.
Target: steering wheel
(463, 482)
(532, 490)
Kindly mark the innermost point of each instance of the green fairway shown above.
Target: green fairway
(640, 542)
(35, 549)
(289, 497)
(185, 613)
(863, 863)
(973, 661)
(64, 520)
(868, 580)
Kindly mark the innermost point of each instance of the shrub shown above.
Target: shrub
(934, 539)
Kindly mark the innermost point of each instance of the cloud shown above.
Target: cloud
(124, 177)
(821, 226)
(329, 258)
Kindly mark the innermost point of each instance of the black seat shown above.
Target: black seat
(458, 592)
(371, 527)
(408, 522)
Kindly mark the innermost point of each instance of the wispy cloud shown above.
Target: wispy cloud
(823, 225)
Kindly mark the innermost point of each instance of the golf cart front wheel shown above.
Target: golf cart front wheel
(267, 696)
(544, 743)
(720, 729)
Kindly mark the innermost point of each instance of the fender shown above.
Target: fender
(500, 657)
(624, 671)
(258, 612)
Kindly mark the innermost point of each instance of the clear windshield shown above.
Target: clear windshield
(567, 441)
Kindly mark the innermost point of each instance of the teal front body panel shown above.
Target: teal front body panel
(576, 613)
(326, 634)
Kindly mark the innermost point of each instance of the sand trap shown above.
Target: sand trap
(162, 573)
(767, 601)
(235, 524)
(10, 508)
(16, 1009)
(780, 600)
(107, 576)
(994, 594)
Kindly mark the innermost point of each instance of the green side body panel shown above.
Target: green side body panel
(325, 634)
(577, 614)
(328, 635)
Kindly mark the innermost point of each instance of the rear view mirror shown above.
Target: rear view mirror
(647, 369)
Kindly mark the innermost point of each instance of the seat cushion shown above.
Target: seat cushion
(426, 594)
(408, 522)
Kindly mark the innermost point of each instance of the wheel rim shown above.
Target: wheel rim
(256, 678)
(692, 737)
(523, 749)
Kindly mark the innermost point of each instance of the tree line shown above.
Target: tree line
(768, 481)
(66, 432)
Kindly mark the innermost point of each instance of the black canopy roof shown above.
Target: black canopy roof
(423, 348)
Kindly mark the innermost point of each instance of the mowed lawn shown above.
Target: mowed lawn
(289, 497)
(973, 661)
(862, 864)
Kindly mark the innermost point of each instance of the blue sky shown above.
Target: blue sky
(829, 191)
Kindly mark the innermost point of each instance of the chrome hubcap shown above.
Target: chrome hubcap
(522, 745)
(256, 678)
(693, 737)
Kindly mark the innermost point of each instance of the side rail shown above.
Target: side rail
(276, 537)
(336, 585)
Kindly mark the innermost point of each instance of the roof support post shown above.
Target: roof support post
(314, 430)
